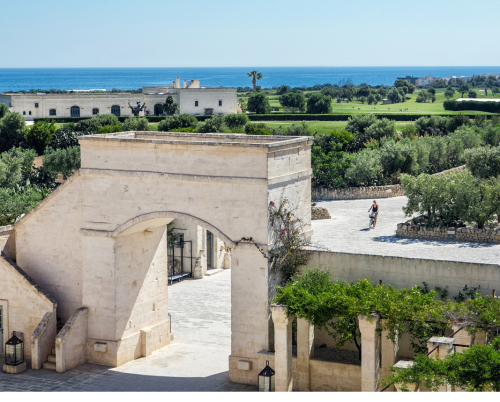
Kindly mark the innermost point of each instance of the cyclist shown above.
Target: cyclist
(374, 208)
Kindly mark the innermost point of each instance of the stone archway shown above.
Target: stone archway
(95, 240)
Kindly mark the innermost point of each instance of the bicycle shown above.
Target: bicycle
(371, 225)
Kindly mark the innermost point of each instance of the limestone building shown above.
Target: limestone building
(191, 98)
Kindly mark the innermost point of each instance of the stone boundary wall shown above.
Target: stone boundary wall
(333, 376)
(361, 193)
(43, 340)
(408, 231)
(71, 342)
(404, 272)
(357, 193)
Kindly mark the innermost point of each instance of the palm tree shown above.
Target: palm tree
(255, 76)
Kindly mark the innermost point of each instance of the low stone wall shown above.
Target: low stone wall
(71, 342)
(357, 193)
(332, 376)
(43, 340)
(409, 231)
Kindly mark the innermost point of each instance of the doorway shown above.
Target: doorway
(158, 110)
(210, 250)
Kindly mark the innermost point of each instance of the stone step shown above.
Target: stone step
(211, 272)
(49, 365)
(52, 358)
(53, 351)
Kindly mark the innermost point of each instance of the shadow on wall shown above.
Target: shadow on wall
(404, 242)
(91, 377)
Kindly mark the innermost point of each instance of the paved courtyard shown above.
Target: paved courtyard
(197, 360)
(347, 231)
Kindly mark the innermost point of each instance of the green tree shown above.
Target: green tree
(363, 91)
(394, 96)
(169, 107)
(472, 94)
(293, 102)
(12, 165)
(258, 103)
(283, 90)
(39, 136)
(449, 93)
(495, 90)
(62, 161)
(236, 122)
(135, 124)
(215, 124)
(319, 104)
(463, 89)
(432, 91)
(3, 110)
(255, 76)
(257, 129)
(423, 96)
(483, 162)
(12, 130)
(365, 168)
(177, 121)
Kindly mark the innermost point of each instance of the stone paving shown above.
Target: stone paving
(347, 231)
(197, 360)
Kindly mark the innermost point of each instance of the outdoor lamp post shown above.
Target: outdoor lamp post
(266, 379)
(14, 351)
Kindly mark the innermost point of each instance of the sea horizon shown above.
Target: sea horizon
(126, 78)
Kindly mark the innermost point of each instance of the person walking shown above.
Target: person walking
(374, 208)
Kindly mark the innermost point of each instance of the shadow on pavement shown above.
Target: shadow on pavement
(402, 241)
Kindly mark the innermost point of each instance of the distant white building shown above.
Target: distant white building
(191, 98)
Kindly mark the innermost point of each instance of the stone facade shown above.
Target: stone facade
(99, 240)
(191, 99)
(409, 231)
(356, 193)
(71, 342)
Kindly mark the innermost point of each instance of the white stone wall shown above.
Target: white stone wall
(208, 98)
(49, 247)
(71, 342)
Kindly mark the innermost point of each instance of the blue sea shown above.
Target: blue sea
(16, 79)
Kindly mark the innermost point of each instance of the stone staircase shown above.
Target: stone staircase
(50, 364)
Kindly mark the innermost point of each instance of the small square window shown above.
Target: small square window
(36, 104)
(220, 103)
(195, 103)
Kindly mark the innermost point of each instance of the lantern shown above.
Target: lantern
(266, 379)
(14, 351)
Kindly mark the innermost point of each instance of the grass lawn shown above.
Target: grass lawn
(408, 107)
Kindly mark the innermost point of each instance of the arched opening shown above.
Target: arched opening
(52, 112)
(115, 109)
(158, 110)
(75, 111)
(95, 111)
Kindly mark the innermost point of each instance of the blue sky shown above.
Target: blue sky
(215, 33)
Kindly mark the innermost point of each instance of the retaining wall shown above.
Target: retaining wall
(357, 193)
(408, 231)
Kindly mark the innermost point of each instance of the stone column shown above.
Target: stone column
(305, 350)
(389, 354)
(411, 387)
(370, 352)
(283, 348)
(445, 348)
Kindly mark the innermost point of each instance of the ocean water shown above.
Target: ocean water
(16, 79)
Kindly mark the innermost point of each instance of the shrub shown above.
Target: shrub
(13, 163)
(235, 122)
(91, 126)
(3, 110)
(490, 107)
(258, 103)
(14, 202)
(65, 137)
(62, 161)
(257, 129)
(296, 130)
(109, 129)
(358, 123)
(365, 168)
(319, 103)
(39, 136)
(328, 160)
(135, 124)
(176, 121)
(216, 124)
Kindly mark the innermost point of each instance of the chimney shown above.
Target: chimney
(173, 84)
(184, 83)
(178, 84)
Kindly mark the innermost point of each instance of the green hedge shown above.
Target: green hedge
(491, 107)
(152, 119)
(335, 117)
